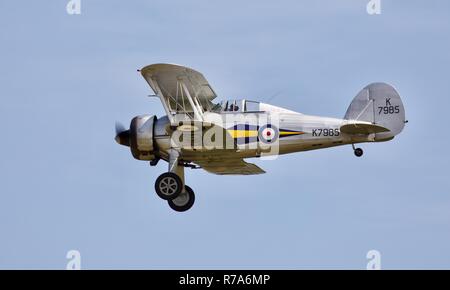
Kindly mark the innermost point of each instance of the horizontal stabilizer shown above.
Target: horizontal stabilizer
(359, 128)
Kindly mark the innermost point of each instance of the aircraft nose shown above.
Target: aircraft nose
(123, 138)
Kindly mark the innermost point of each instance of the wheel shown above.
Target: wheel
(168, 186)
(358, 152)
(184, 201)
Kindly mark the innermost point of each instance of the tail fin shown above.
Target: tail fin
(379, 104)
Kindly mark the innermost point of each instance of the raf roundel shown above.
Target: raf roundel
(268, 134)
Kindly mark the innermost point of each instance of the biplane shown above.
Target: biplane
(198, 132)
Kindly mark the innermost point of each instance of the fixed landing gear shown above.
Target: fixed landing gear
(184, 201)
(168, 186)
(358, 151)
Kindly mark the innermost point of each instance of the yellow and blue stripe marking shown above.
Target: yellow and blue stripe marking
(246, 133)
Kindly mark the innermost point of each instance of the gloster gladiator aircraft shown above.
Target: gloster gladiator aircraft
(198, 133)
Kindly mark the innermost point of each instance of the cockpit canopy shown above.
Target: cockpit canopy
(237, 106)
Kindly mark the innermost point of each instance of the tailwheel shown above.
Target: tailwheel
(184, 201)
(168, 186)
(358, 152)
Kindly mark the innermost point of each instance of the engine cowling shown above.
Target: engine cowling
(141, 137)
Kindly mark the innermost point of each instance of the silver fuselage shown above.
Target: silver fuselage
(310, 133)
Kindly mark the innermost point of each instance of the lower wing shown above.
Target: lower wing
(231, 167)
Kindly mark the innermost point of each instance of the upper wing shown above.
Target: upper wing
(231, 167)
(182, 90)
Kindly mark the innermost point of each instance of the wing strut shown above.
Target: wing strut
(198, 113)
(160, 95)
(184, 92)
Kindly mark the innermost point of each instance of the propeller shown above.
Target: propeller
(122, 135)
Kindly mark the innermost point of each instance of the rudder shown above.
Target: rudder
(380, 104)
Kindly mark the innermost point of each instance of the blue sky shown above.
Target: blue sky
(65, 80)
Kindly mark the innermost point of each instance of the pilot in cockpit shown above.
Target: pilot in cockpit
(234, 107)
